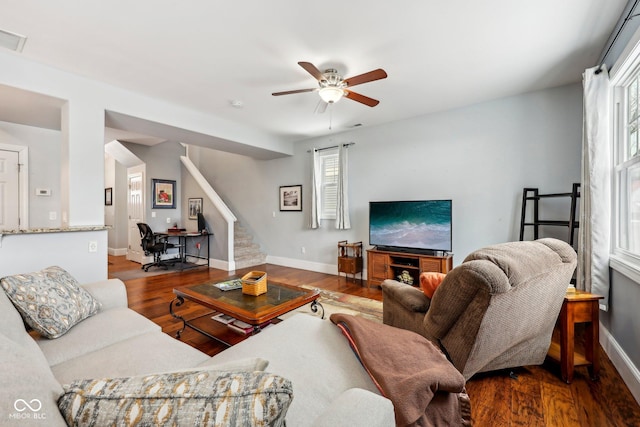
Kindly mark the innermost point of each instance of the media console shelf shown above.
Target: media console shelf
(382, 265)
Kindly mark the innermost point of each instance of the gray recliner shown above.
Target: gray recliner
(496, 310)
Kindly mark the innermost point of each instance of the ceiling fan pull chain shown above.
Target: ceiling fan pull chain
(330, 116)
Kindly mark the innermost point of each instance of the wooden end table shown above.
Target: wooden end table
(254, 310)
(578, 307)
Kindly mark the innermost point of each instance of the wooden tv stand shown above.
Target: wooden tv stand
(382, 265)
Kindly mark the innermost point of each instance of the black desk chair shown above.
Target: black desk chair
(156, 245)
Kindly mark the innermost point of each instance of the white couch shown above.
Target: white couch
(330, 387)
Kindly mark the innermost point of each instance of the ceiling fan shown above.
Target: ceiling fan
(332, 87)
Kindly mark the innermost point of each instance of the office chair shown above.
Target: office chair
(156, 245)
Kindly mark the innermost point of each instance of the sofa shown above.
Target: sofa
(494, 311)
(106, 364)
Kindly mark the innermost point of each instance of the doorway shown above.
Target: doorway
(135, 208)
(14, 187)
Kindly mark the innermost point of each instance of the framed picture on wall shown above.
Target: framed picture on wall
(291, 198)
(108, 196)
(195, 207)
(164, 194)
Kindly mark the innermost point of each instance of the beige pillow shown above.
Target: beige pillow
(50, 301)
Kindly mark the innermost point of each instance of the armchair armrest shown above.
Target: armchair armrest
(404, 306)
(110, 293)
(412, 299)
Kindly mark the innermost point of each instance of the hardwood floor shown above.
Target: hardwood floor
(537, 398)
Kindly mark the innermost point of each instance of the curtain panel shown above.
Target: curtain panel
(342, 210)
(594, 234)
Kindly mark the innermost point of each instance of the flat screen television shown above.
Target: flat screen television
(420, 225)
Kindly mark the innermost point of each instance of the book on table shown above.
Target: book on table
(223, 318)
(241, 327)
(229, 285)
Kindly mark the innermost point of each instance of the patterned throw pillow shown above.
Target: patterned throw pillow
(50, 301)
(202, 398)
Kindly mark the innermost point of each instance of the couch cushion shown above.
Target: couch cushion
(50, 301)
(102, 330)
(28, 390)
(314, 355)
(205, 398)
(149, 353)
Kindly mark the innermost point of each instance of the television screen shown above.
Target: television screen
(421, 225)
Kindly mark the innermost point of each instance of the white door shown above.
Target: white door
(9, 190)
(135, 208)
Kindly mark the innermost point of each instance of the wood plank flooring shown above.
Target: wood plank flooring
(537, 398)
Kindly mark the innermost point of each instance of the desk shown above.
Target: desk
(578, 307)
(190, 246)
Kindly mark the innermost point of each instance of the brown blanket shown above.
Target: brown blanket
(425, 388)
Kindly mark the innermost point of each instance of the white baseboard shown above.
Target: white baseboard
(627, 370)
(302, 264)
(222, 264)
(318, 267)
(117, 251)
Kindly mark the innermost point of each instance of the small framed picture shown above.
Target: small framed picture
(164, 194)
(195, 207)
(108, 196)
(291, 198)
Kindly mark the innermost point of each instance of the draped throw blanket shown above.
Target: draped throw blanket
(595, 198)
(425, 388)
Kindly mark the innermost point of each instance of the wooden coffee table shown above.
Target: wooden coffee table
(255, 310)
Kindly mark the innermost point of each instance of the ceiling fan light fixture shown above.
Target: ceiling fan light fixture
(331, 94)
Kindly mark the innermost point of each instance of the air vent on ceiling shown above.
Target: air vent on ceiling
(12, 41)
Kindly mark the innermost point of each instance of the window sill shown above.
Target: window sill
(625, 266)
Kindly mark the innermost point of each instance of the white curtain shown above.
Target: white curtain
(342, 208)
(316, 193)
(595, 193)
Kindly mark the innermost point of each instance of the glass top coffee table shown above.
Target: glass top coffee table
(256, 311)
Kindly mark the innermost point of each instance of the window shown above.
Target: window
(627, 167)
(329, 167)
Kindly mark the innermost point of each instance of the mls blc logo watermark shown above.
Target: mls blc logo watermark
(27, 410)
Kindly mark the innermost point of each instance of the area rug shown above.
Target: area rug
(338, 302)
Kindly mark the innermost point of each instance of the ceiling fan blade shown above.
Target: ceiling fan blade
(291, 92)
(311, 69)
(366, 77)
(321, 107)
(361, 98)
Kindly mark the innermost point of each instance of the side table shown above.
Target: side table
(578, 307)
(350, 259)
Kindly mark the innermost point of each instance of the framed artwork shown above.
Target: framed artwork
(195, 207)
(291, 198)
(108, 196)
(164, 194)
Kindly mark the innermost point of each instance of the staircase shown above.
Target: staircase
(247, 253)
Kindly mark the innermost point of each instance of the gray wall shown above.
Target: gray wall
(162, 162)
(481, 157)
(44, 169)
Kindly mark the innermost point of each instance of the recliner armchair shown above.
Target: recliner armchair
(494, 311)
(156, 245)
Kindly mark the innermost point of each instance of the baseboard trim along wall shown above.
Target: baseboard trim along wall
(117, 251)
(318, 267)
(627, 370)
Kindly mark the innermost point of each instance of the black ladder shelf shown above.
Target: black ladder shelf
(532, 194)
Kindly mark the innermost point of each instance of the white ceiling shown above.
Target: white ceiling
(205, 54)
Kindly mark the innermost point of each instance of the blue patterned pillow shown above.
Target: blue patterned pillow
(50, 301)
(201, 398)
